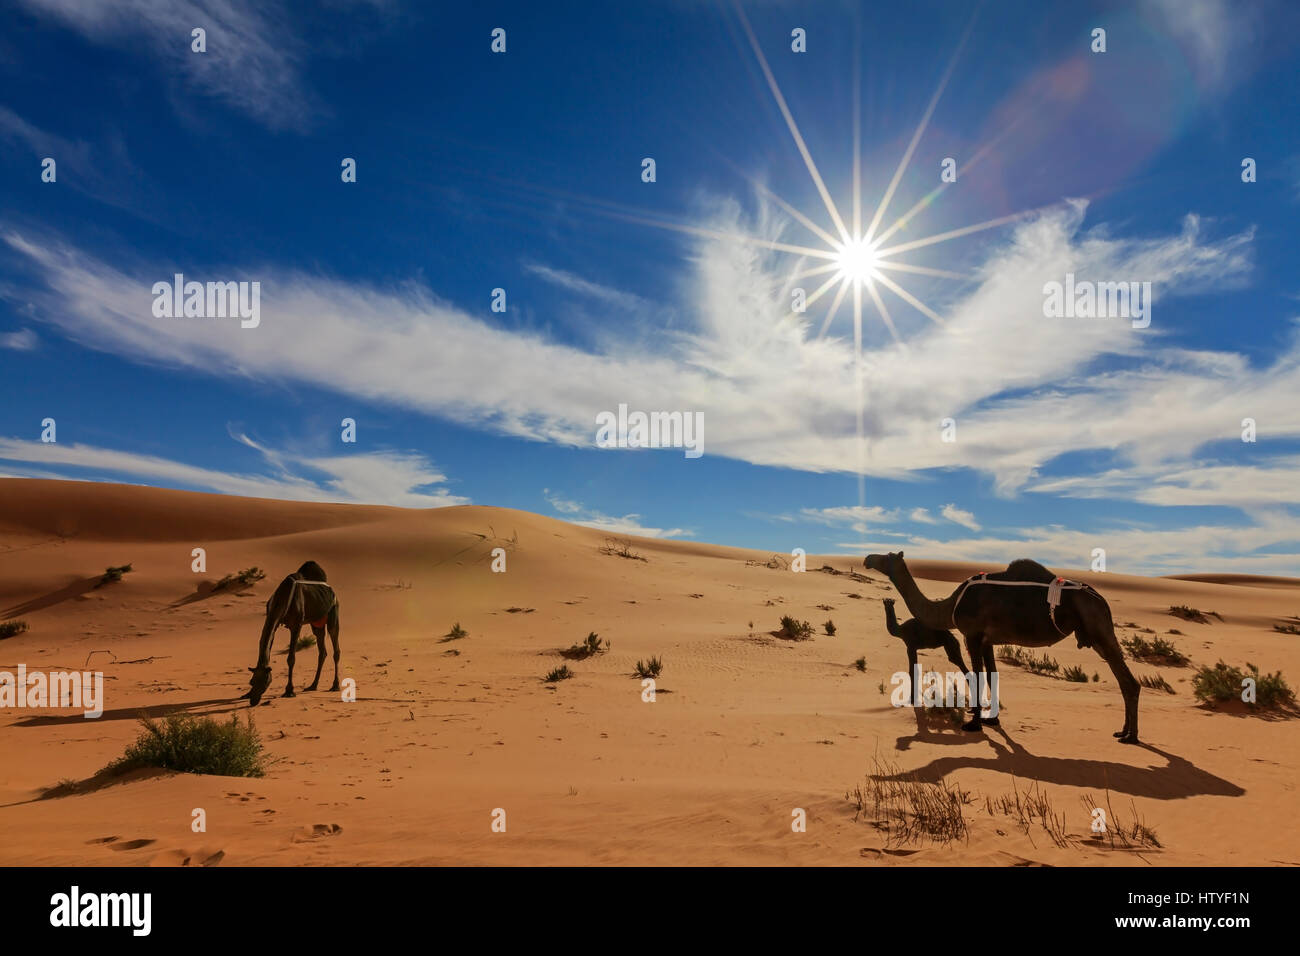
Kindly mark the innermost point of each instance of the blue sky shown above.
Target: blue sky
(522, 171)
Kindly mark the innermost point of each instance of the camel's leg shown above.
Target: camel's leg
(1107, 645)
(319, 633)
(975, 648)
(990, 670)
(333, 624)
(953, 650)
(293, 652)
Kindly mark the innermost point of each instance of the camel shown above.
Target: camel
(1026, 605)
(301, 598)
(919, 637)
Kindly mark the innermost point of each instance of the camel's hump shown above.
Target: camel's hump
(311, 571)
(1024, 569)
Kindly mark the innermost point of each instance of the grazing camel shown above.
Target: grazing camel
(919, 637)
(1026, 605)
(302, 598)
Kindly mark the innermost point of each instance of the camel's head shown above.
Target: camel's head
(257, 684)
(884, 563)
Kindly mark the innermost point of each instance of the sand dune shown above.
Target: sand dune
(746, 729)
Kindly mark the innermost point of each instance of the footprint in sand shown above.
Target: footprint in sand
(315, 832)
(108, 839)
(201, 857)
(131, 845)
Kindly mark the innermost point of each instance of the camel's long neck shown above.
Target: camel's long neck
(274, 614)
(891, 622)
(936, 614)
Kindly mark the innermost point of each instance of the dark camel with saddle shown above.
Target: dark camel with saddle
(1026, 605)
(303, 598)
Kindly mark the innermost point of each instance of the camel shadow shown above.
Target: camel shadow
(127, 713)
(206, 589)
(1177, 780)
(932, 728)
(66, 593)
(97, 781)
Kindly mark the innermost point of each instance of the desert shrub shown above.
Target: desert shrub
(455, 634)
(189, 744)
(651, 668)
(1075, 674)
(112, 574)
(908, 809)
(829, 628)
(793, 630)
(1135, 834)
(1155, 651)
(1155, 682)
(1025, 808)
(242, 579)
(304, 641)
(861, 664)
(1222, 682)
(622, 548)
(1020, 657)
(12, 628)
(1193, 614)
(558, 674)
(591, 646)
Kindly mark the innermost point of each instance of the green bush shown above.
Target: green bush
(793, 630)
(651, 668)
(1222, 682)
(1155, 651)
(188, 744)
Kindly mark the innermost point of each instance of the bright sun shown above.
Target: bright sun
(856, 261)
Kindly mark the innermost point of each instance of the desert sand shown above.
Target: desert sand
(745, 728)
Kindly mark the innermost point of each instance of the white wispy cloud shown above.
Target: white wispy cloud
(1212, 33)
(253, 53)
(24, 340)
(960, 516)
(1013, 380)
(401, 479)
(615, 298)
(1266, 545)
(578, 513)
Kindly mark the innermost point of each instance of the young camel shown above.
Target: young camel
(919, 637)
(1012, 607)
(301, 598)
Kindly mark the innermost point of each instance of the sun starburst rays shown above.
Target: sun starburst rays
(858, 260)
